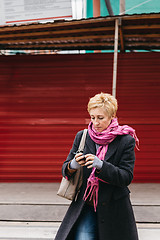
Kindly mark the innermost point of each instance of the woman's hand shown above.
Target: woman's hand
(89, 160)
(77, 161)
(80, 159)
(93, 161)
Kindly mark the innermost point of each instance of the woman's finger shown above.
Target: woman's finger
(89, 155)
(78, 155)
(88, 163)
(80, 158)
(82, 163)
(89, 158)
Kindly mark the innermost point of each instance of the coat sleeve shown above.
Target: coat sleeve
(120, 174)
(71, 154)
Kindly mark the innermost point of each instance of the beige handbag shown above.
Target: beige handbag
(70, 188)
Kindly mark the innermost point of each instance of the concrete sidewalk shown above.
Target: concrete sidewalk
(47, 231)
(39, 202)
(34, 211)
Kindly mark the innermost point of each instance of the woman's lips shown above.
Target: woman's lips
(97, 128)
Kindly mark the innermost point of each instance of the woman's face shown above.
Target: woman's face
(100, 119)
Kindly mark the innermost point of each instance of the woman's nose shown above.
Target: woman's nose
(96, 122)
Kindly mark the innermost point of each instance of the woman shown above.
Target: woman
(103, 209)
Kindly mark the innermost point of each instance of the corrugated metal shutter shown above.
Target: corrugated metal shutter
(138, 95)
(43, 104)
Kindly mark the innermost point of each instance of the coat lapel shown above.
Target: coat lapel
(111, 148)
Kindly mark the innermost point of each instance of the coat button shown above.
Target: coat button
(103, 203)
(102, 220)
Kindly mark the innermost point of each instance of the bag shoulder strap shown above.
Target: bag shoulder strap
(83, 139)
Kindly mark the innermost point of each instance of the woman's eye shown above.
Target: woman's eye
(101, 118)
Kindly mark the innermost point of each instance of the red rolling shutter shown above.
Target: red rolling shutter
(138, 93)
(43, 103)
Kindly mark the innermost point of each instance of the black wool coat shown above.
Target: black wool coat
(115, 216)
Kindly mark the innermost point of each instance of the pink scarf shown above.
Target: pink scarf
(103, 139)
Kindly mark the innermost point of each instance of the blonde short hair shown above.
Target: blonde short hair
(106, 101)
